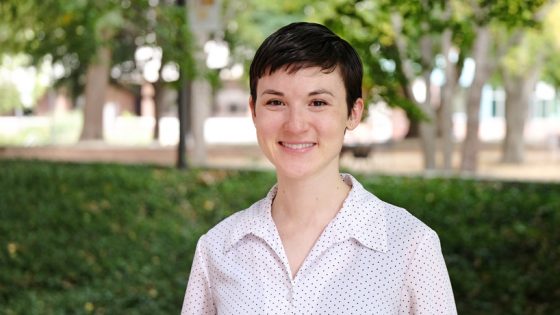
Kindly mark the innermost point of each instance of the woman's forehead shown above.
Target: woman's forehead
(309, 75)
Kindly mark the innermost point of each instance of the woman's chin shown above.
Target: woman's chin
(293, 171)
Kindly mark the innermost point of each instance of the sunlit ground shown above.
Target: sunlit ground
(60, 129)
(65, 128)
(128, 130)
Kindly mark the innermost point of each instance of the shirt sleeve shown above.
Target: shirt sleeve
(198, 297)
(427, 287)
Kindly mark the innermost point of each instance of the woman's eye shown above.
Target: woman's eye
(274, 103)
(318, 103)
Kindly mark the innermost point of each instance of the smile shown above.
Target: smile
(297, 146)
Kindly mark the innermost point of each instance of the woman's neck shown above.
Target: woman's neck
(311, 201)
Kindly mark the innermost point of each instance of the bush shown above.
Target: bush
(500, 239)
(113, 239)
(107, 239)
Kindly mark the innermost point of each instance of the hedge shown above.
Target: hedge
(115, 239)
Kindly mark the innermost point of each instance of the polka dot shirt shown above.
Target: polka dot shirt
(372, 258)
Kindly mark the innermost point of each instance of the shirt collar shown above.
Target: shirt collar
(361, 217)
(256, 220)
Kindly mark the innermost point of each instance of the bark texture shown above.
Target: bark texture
(471, 145)
(446, 104)
(97, 82)
(519, 94)
(427, 129)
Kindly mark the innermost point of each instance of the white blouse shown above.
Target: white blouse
(372, 258)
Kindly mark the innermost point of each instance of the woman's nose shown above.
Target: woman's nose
(296, 120)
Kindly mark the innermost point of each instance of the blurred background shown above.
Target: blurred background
(451, 86)
(101, 101)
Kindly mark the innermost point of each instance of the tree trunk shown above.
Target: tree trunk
(519, 92)
(428, 128)
(413, 129)
(446, 104)
(159, 96)
(428, 137)
(201, 105)
(469, 160)
(97, 81)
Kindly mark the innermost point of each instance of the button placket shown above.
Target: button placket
(290, 295)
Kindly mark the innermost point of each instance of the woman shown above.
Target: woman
(318, 243)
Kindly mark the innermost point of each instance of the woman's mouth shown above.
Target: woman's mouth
(297, 146)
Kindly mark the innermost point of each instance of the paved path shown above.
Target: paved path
(542, 164)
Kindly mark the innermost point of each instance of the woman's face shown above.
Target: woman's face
(300, 120)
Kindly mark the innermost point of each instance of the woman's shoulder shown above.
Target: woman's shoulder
(395, 217)
(222, 232)
(404, 230)
(400, 224)
(399, 218)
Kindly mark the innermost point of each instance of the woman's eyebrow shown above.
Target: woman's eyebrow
(312, 93)
(273, 92)
(320, 91)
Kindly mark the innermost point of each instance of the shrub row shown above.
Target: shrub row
(114, 239)
(500, 239)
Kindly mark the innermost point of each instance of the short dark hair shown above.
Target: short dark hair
(304, 45)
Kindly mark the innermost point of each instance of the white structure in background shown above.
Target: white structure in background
(542, 124)
(230, 130)
(217, 52)
(382, 125)
(231, 122)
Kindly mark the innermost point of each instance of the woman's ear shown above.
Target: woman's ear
(355, 116)
(252, 107)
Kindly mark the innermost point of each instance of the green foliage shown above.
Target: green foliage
(368, 26)
(70, 32)
(20, 87)
(110, 239)
(174, 36)
(551, 72)
(499, 239)
(165, 26)
(107, 239)
(512, 13)
(248, 23)
(9, 96)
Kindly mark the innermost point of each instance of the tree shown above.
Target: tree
(486, 16)
(16, 95)
(551, 73)
(521, 68)
(452, 68)
(469, 157)
(400, 42)
(248, 23)
(364, 23)
(425, 40)
(520, 71)
(97, 77)
(166, 30)
(76, 34)
(88, 38)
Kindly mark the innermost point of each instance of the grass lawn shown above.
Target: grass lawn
(114, 239)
